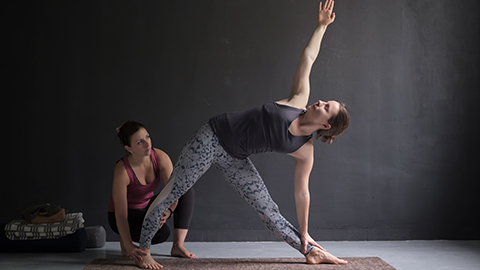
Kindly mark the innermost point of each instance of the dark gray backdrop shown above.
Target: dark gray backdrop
(408, 70)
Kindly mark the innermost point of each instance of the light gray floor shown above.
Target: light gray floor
(403, 255)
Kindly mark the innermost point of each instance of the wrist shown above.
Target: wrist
(322, 27)
(130, 246)
(303, 230)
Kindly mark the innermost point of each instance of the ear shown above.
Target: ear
(128, 148)
(326, 126)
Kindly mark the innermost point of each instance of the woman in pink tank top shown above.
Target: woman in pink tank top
(136, 177)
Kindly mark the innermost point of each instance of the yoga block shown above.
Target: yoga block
(71, 243)
(96, 236)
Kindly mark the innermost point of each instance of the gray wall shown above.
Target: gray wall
(407, 168)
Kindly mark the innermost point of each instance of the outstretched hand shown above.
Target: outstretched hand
(326, 15)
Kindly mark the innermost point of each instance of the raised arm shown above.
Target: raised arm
(301, 82)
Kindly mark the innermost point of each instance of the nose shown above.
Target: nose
(146, 143)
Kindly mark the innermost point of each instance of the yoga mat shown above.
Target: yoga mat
(357, 263)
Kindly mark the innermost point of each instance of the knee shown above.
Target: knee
(162, 235)
(189, 196)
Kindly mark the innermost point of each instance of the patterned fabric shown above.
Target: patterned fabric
(200, 152)
(23, 230)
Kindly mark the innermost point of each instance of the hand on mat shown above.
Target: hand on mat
(326, 15)
(306, 240)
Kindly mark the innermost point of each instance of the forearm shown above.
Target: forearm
(302, 203)
(325, 17)
(312, 48)
(123, 228)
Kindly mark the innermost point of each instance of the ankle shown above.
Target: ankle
(178, 244)
(312, 256)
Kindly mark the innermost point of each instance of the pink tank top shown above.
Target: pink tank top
(138, 195)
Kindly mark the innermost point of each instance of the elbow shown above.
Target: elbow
(302, 195)
(308, 58)
(311, 59)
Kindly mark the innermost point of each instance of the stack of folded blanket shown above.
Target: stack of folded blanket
(24, 230)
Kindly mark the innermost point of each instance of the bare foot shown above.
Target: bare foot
(181, 251)
(148, 262)
(317, 256)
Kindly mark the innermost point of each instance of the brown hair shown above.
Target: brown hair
(338, 124)
(125, 131)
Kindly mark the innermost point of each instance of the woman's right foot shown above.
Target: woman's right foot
(181, 251)
(317, 256)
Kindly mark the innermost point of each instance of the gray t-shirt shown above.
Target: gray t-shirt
(258, 130)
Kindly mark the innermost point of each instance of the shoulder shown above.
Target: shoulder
(162, 158)
(120, 174)
(292, 103)
(160, 154)
(120, 166)
(304, 153)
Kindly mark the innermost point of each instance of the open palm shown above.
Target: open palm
(326, 15)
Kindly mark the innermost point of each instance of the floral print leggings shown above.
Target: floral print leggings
(200, 152)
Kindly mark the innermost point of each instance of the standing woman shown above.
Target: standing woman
(226, 141)
(136, 176)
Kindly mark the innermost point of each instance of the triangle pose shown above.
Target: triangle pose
(225, 141)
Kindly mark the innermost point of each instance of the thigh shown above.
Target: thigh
(194, 160)
(135, 220)
(245, 179)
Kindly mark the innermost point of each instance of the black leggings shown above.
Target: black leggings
(181, 218)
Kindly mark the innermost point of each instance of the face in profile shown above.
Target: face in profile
(323, 111)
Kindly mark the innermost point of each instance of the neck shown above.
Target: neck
(303, 126)
(137, 160)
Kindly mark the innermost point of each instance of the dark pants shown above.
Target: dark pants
(181, 218)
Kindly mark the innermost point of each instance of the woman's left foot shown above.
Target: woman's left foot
(317, 256)
(182, 252)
